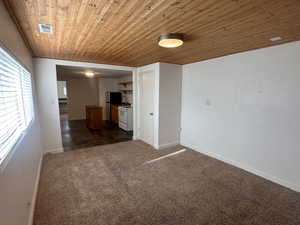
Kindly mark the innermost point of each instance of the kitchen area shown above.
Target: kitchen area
(119, 106)
(99, 107)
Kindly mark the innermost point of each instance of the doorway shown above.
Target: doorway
(62, 99)
(88, 117)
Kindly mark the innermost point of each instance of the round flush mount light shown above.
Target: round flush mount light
(89, 74)
(170, 40)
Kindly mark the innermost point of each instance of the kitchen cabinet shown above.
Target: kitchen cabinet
(114, 114)
(93, 117)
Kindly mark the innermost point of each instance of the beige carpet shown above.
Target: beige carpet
(124, 184)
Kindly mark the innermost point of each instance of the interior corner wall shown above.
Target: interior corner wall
(170, 78)
(167, 103)
(18, 178)
(81, 92)
(244, 109)
(46, 82)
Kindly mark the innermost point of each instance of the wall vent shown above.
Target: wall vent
(46, 28)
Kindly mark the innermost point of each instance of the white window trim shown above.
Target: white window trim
(7, 158)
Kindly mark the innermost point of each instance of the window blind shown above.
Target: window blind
(16, 103)
(27, 97)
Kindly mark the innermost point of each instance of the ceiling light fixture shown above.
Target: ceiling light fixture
(170, 40)
(90, 74)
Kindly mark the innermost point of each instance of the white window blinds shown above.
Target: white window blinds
(27, 97)
(16, 103)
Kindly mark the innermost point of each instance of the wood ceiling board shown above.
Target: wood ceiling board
(125, 32)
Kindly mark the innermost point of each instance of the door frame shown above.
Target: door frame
(155, 68)
(47, 97)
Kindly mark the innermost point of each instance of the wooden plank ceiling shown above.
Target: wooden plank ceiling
(125, 32)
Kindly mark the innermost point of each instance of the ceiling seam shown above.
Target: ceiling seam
(19, 28)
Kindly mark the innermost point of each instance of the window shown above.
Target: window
(16, 102)
(65, 91)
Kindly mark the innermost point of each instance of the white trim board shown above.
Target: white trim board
(165, 156)
(245, 167)
(56, 150)
(168, 145)
(5, 161)
(35, 191)
(85, 64)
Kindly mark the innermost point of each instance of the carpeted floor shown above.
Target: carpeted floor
(132, 184)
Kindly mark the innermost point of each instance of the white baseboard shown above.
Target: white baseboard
(168, 145)
(35, 191)
(56, 150)
(246, 167)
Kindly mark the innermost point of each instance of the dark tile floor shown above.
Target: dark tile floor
(75, 135)
(63, 111)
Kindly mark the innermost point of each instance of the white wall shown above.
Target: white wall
(81, 92)
(45, 71)
(169, 104)
(104, 85)
(244, 109)
(17, 179)
(46, 78)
